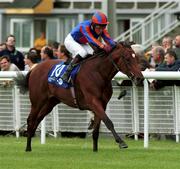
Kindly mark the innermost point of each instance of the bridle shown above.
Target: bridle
(114, 64)
(131, 75)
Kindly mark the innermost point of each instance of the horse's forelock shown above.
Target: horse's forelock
(124, 49)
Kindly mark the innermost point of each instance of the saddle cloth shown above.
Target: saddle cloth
(55, 74)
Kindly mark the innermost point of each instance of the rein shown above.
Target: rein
(115, 65)
(111, 59)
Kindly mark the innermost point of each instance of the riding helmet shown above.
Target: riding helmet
(99, 18)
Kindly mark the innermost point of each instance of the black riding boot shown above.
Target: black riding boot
(65, 76)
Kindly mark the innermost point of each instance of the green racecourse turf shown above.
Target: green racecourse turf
(76, 153)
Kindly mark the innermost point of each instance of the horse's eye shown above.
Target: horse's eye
(133, 55)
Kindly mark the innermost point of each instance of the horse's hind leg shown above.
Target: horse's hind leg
(36, 117)
(30, 121)
(95, 135)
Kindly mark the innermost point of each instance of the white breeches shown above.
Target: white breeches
(75, 48)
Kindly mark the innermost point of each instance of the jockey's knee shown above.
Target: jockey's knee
(82, 53)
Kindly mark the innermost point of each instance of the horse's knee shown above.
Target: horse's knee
(30, 132)
(30, 128)
(30, 119)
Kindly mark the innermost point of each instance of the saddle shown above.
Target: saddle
(55, 74)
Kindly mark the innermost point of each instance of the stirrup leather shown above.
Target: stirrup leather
(65, 76)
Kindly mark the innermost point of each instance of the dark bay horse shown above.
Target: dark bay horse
(93, 89)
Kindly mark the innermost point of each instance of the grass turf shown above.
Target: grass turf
(76, 153)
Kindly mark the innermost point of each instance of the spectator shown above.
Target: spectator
(35, 51)
(6, 64)
(2, 46)
(148, 54)
(40, 42)
(15, 56)
(30, 60)
(63, 53)
(46, 53)
(167, 43)
(158, 55)
(54, 47)
(138, 49)
(171, 63)
(177, 46)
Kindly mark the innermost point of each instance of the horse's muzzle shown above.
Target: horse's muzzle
(137, 80)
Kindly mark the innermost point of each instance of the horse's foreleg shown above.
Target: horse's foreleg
(95, 135)
(110, 126)
(99, 111)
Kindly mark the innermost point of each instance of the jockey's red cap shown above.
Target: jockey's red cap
(99, 18)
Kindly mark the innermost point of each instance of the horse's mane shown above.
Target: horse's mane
(101, 53)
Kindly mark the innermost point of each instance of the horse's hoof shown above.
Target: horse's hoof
(123, 145)
(28, 149)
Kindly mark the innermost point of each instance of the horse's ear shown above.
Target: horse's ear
(121, 42)
(131, 43)
(116, 43)
(126, 43)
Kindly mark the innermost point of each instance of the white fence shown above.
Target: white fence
(140, 111)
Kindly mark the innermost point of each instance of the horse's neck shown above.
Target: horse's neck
(101, 64)
(106, 68)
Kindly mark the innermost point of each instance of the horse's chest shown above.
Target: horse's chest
(107, 93)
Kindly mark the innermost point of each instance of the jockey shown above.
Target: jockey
(87, 33)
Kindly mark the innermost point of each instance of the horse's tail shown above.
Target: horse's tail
(21, 82)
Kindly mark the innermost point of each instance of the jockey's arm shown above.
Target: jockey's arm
(90, 37)
(106, 37)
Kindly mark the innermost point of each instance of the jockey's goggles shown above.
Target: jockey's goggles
(98, 26)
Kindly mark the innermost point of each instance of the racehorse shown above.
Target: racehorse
(92, 86)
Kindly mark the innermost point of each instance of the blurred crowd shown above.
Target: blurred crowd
(162, 56)
(13, 60)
